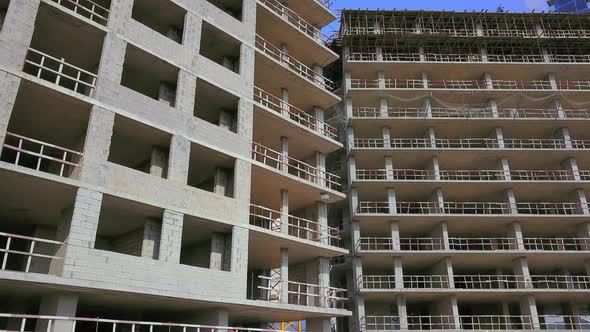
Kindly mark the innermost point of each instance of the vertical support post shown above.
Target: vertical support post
(511, 200)
(515, 232)
(383, 107)
(321, 175)
(284, 270)
(395, 236)
(389, 168)
(284, 211)
(285, 154)
(381, 79)
(398, 272)
(505, 166)
(386, 132)
(391, 201)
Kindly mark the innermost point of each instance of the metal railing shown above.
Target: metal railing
(405, 244)
(59, 72)
(297, 66)
(18, 252)
(541, 208)
(380, 323)
(277, 160)
(266, 218)
(274, 103)
(556, 244)
(87, 8)
(297, 21)
(313, 295)
(42, 156)
(472, 143)
(29, 322)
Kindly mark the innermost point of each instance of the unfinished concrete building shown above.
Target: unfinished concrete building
(468, 165)
(163, 166)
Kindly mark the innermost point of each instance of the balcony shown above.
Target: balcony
(480, 322)
(295, 66)
(476, 282)
(300, 228)
(59, 72)
(299, 169)
(470, 208)
(407, 57)
(294, 19)
(41, 156)
(417, 175)
(303, 294)
(469, 113)
(293, 113)
(471, 144)
(28, 254)
(96, 11)
(416, 244)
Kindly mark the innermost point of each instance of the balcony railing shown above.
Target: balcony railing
(470, 175)
(268, 100)
(471, 143)
(472, 244)
(87, 8)
(297, 21)
(298, 227)
(59, 72)
(397, 83)
(470, 113)
(479, 322)
(295, 65)
(472, 208)
(299, 293)
(92, 324)
(277, 160)
(41, 156)
(18, 252)
(467, 57)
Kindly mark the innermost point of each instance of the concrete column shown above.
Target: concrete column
(350, 139)
(285, 102)
(528, 307)
(285, 154)
(349, 113)
(185, 92)
(110, 70)
(422, 53)
(484, 54)
(359, 312)
(319, 74)
(98, 142)
(319, 115)
(580, 198)
(392, 200)
(61, 305)
(171, 237)
(159, 162)
(383, 107)
(430, 137)
(240, 238)
(498, 135)
(225, 120)
(241, 182)
(123, 10)
(348, 82)
(435, 168)
(150, 246)
(379, 53)
(381, 79)
(506, 312)
(494, 107)
(356, 235)
(428, 107)
(521, 269)
(583, 233)
(320, 164)
(398, 272)
(445, 268)
(354, 201)
(552, 81)
(559, 109)
(324, 280)
(572, 165)
(179, 159)
(395, 236)
(564, 134)
(386, 132)
(546, 56)
(218, 253)
(351, 170)
(284, 269)
(9, 85)
(489, 81)
(438, 199)
(425, 80)
(213, 317)
(479, 29)
(389, 168)
(402, 312)
(221, 182)
(515, 232)
(284, 212)
(505, 166)
(441, 232)
(511, 200)
(245, 119)
(191, 36)
(18, 29)
(322, 215)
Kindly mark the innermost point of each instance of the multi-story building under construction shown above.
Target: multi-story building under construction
(163, 166)
(468, 155)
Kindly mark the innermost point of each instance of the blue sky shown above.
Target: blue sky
(457, 5)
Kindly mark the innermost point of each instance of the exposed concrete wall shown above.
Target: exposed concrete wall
(8, 91)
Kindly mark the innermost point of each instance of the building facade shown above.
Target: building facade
(163, 166)
(467, 153)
